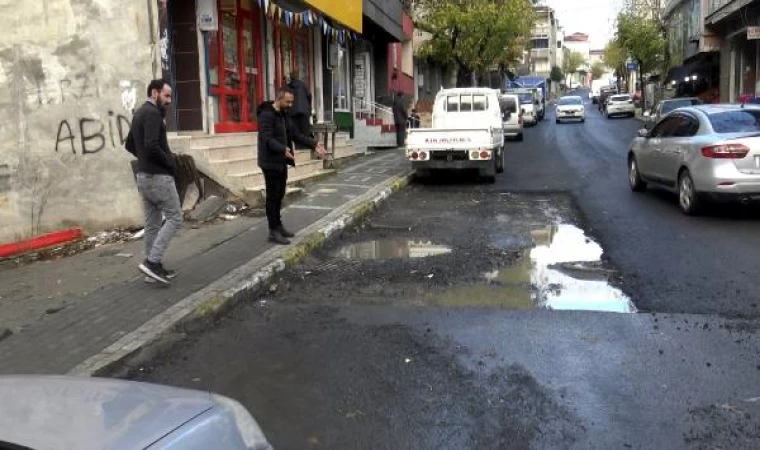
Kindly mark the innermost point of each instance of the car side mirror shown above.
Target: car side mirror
(647, 113)
(643, 133)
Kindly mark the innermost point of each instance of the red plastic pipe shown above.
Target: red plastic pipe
(40, 242)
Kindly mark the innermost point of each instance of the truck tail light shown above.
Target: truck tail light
(485, 155)
(415, 155)
(725, 151)
(474, 155)
(423, 156)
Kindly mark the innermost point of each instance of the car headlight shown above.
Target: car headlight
(250, 432)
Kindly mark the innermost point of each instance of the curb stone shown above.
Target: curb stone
(223, 293)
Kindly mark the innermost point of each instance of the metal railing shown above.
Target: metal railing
(365, 109)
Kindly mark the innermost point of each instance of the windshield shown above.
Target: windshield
(675, 104)
(507, 104)
(570, 101)
(737, 121)
(620, 98)
(525, 97)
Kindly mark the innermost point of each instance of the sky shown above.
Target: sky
(595, 17)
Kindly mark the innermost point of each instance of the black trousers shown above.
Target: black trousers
(400, 135)
(276, 183)
(301, 121)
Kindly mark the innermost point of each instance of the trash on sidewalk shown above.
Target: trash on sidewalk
(124, 255)
(4, 333)
(138, 235)
(228, 217)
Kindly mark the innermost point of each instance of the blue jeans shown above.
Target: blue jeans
(160, 199)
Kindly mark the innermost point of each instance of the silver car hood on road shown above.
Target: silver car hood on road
(46, 413)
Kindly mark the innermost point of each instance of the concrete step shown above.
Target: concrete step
(255, 179)
(347, 151)
(223, 140)
(249, 164)
(229, 152)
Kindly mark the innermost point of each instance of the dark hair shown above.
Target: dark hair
(284, 90)
(157, 84)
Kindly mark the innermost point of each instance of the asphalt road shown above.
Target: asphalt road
(669, 262)
(470, 344)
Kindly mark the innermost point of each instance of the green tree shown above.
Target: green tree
(572, 63)
(474, 36)
(642, 38)
(615, 57)
(556, 74)
(598, 70)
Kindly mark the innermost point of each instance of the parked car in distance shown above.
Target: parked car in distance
(703, 153)
(663, 107)
(604, 96)
(528, 105)
(620, 105)
(57, 412)
(570, 107)
(511, 116)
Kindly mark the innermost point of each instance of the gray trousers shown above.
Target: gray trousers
(160, 199)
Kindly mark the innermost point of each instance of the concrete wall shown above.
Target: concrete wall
(71, 71)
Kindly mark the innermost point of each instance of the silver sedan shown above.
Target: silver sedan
(706, 152)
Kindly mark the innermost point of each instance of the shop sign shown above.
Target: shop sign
(208, 19)
(753, 33)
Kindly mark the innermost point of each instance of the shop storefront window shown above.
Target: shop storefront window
(340, 81)
(746, 79)
(292, 52)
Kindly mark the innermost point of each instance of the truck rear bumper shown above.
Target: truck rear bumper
(485, 166)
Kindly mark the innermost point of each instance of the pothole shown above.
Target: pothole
(561, 271)
(391, 249)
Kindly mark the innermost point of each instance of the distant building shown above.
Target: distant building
(579, 43)
(545, 45)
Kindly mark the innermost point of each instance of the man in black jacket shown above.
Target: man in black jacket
(301, 109)
(400, 118)
(276, 135)
(156, 170)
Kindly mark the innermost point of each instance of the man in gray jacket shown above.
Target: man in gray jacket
(156, 171)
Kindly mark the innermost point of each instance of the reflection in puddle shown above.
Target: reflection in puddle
(392, 248)
(561, 271)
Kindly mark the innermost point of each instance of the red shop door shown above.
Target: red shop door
(235, 71)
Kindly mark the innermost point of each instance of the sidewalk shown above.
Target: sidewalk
(76, 309)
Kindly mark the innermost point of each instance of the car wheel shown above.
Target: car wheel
(500, 161)
(688, 197)
(520, 137)
(557, 121)
(634, 177)
(583, 120)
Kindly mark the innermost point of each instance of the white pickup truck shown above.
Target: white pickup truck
(466, 134)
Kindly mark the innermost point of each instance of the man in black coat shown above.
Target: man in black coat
(276, 136)
(156, 173)
(301, 110)
(400, 118)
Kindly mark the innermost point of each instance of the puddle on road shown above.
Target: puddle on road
(562, 271)
(392, 249)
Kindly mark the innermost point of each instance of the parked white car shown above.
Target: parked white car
(620, 105)
(570, 107)
(512, 119)
(467, 133)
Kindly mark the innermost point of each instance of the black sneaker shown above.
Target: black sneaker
(277, 237)
(168, 274)
(285, 233)
(154, 271)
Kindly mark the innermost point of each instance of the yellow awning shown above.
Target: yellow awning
(347, 12)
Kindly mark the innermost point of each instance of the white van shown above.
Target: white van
(467, 133)
(512, 119)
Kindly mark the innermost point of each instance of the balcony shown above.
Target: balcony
(714, 5)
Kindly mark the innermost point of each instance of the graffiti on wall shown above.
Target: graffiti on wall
(89, 135)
